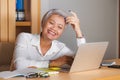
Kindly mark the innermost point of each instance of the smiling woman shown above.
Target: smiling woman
(54, 27)
(43, 50)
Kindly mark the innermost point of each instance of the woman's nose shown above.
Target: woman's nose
(55, 26)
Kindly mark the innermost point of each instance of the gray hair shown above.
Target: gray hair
(50, 13)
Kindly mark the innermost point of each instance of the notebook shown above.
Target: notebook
(89, 56)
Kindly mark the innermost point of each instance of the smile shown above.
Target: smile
(51, 32)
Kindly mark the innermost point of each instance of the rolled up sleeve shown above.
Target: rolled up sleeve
(80, 41)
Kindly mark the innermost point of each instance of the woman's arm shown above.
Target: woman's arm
(75, 22)
(23, 53)
(61, 61)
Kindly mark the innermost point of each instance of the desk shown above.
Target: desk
(97, 74)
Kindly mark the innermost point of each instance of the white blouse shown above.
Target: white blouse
(28, 52)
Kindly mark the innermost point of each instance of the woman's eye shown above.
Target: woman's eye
(51, 23)
(60, 27)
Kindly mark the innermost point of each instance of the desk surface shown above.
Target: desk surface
(103, 73)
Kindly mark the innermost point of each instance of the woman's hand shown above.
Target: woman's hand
(75, 22)
(61, 61)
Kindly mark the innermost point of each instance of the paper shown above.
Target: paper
(52, 70)
(24, 72)
(7, 74)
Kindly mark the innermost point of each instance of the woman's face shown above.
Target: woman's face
(53, 27)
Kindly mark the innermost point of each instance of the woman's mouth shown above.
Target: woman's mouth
(51, 32)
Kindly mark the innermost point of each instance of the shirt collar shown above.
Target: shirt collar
(55, 47)
(35, 41)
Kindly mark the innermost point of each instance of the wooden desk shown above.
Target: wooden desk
(99, 74)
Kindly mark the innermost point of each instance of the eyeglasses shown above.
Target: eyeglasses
(37, 75)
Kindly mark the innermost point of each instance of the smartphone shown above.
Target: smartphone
(114, 66)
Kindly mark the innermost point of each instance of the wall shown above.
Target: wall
(98, 18)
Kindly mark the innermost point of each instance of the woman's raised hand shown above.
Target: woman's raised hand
(75, 22)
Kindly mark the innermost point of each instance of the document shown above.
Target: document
(15, 73)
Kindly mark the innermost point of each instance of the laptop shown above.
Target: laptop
(89, 56)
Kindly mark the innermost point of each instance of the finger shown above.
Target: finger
(71, 19)
(73, 13)
(71, 22)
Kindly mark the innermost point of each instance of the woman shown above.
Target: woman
(43, 50)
